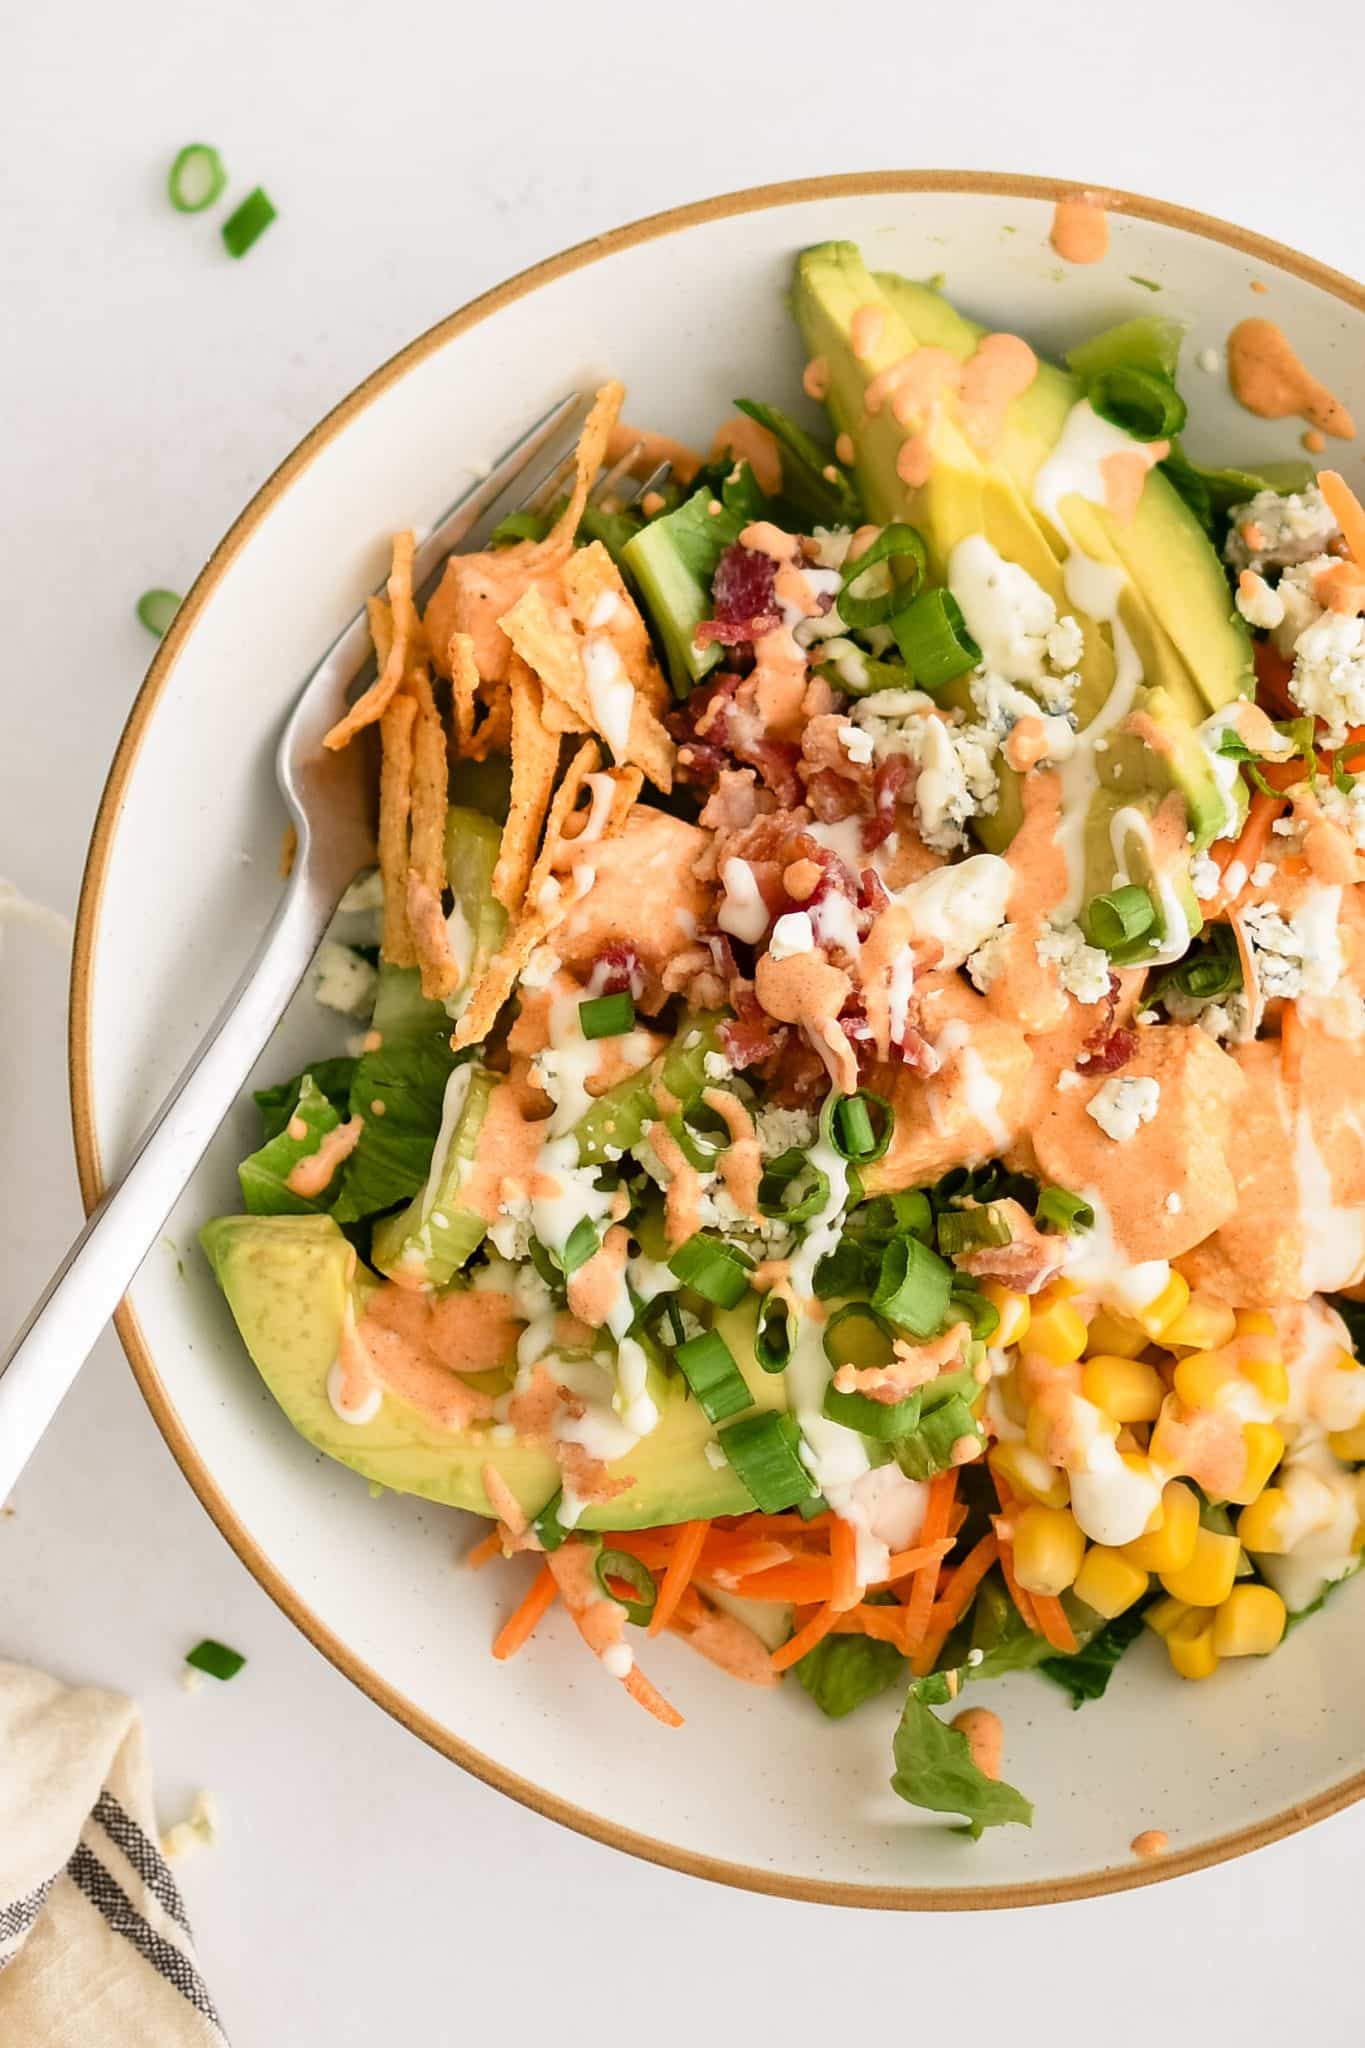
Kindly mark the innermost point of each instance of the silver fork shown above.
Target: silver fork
(326, 797)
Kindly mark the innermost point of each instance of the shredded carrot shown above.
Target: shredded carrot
(682, 1562)
(1052, 1622)
(740, 1560)
(1023, 1601)
(484, 1552)
(956, 1599)
(651, 1699)
(845, 1591)
(809, 1581)
(942, 1491)
(1350, 515)
(805, 1638)
(652, 1547)
(1252, 840)
(1273, 671)
(520, 1626)
(906, 1562)
(886, 1624)
(780, 1526)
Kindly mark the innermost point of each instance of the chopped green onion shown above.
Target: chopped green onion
(583, 1243)
(964, 1230)
(1059, 1209)
(896, 542)
(1143, 402)
(1210, 972)
(547, 1524)
(930, 1450)
(814, 1504)
(970, 1306)
(884, 1421)
(780, 1190)
(961, 1385)
(248, 223)
(1118, 917)
(765, 1451)
(156, 609)
(775, 1332)
(851, 1268)
(856, 1335)
(195, 178)
(701, 1135)
(607, 1016)
(708, 1366)
(932, 635)
(913, 1287)
(621, 1566)
(852, 1130)
(1149, 342)
(216, 1659)
(908, 1212)
(865, 677)
(712, 1269)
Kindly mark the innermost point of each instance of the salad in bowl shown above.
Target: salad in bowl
(847, 1153)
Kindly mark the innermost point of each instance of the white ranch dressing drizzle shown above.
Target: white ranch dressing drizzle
(611, 694)
(1073, 469)
(1100, 1267)
(1132, 823)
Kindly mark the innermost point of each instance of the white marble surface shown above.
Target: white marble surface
(363, 1887)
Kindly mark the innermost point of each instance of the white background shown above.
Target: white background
(364, 1890)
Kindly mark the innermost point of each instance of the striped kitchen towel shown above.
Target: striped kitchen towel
(95, 1945)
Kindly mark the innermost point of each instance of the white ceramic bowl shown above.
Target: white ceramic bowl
(757, 1790)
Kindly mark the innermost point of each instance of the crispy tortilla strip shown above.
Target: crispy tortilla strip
(552, 640)
(535, 758)
(393, 664)
(395, 803)
(494, 736)
(430, 785)
(591, 578)
(546, 901)
(546, 642)
(591, 453)
(463, 671)
(431, 939)
(591, 581)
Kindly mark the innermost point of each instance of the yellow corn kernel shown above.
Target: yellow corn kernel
(1199, 1377)
(1125, 1388)
(1163, 1309)
(1056, 1332)
(1203, 1324)
(1264, 1449)
(1250, 1622)
(1014, 1310)
(1048, 1548)
(1258, 1525)
(1171, 1543)
(1270, 1378)
(1207, 1579)
(1254, 1322)
(1189, 1645)
(1162, 1616)
(1031, 1476)
(1349, 1444)
(1115, 1336)
(1108, 1581)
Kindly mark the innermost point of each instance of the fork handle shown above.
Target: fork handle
(97, 1271)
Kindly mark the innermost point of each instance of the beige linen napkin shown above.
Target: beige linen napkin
(95, 1945)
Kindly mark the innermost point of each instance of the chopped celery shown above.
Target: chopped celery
(472, 843)
(434, 1236)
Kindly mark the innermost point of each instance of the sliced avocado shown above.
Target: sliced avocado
(289, 1281)
(427, 1243)
(1164, 548)
(1179, 917)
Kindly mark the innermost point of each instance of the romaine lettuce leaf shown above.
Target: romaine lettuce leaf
(407, 1072)
(1086, 1674)
(278, 1104)
(264, 1174)
(934, 1769)
(843, 1671)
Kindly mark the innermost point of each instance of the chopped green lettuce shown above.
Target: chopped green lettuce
(278, 1104)
(842, 1672)
(407, 1072)
(264, 1174)
(1086, 1674)
(934, 1769)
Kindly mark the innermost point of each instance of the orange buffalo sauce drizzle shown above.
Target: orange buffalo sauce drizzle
(1080, 228)
(1269, 378)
